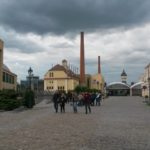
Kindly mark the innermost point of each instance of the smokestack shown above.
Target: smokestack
(82, 62)
(99, 65)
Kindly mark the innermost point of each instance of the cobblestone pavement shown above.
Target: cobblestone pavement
(120, 123)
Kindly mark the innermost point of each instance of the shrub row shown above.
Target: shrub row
(9, 104)
(9, 99)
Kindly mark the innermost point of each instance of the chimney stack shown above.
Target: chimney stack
(82, 62)
(99, 65)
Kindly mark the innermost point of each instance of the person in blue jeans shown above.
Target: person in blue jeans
(98, 99)
(75, 102)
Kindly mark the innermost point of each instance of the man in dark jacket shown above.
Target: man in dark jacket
(56, 100)
(87, 102)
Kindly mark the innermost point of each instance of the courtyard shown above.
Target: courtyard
(120, 123)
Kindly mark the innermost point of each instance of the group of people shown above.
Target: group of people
(85, 98)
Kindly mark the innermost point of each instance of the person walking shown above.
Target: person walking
(93, 96)
(81, 99)
(62, 102)
(56, 97)
(74, 102)
(87, 102)
(98, 99)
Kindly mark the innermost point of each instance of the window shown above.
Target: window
(12, 80)
(9, 78)
(61, 88)
(3, 76)
(6, 77)
(50, 81)
(51, 74)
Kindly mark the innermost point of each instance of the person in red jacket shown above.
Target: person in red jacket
(87, 102)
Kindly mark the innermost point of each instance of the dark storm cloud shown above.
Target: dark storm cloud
(62, 16)
(19, 43)
(23, 46)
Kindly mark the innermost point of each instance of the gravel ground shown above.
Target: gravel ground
(120, 123)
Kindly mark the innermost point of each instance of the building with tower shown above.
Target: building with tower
(119, 88)
(124, 76)
(95, 81)
(62, 77)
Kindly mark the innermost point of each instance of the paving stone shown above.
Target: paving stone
(120, 123)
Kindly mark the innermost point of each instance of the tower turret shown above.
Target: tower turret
(124, 76)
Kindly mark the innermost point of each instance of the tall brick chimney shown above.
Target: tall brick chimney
(82, 62)
(99, 65)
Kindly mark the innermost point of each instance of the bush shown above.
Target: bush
(8, 94)
(8, 100)
(29, 100)
(9, 104)
(79, 89)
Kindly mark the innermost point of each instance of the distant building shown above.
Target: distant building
(118, 89)
(136, 89)
(97, 80)
(146, 82)
(8, 80)
(124, 76)
(36, 84)
(124, 89)
(60, 77)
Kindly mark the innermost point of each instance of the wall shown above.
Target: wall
(1, 63)
(59, 79)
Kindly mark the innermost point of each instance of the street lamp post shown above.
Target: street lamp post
(30, 71)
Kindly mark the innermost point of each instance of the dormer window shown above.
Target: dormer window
(51, 74)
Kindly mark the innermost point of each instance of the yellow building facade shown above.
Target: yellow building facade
(97, 82)
(60, 77)
(8, 80)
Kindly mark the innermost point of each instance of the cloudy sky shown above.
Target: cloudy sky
(40, 33)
